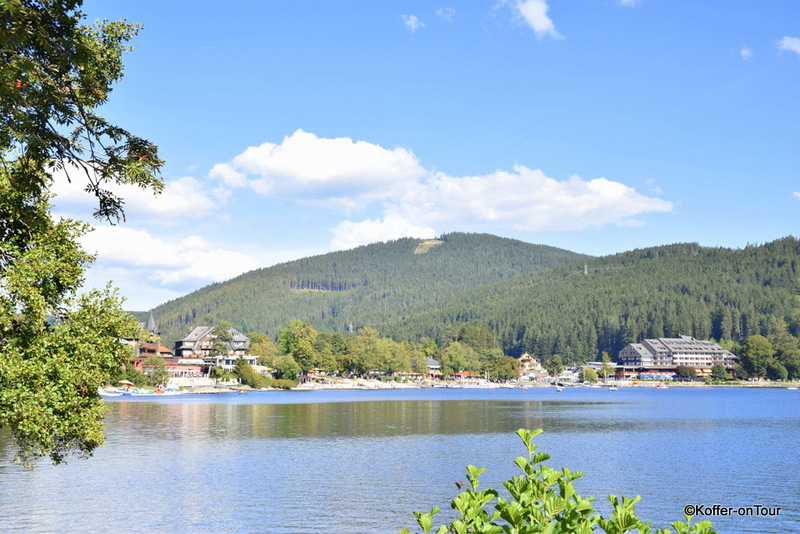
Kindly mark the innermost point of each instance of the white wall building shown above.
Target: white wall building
(668, 353)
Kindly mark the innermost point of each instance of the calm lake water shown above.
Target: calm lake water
(363, 461)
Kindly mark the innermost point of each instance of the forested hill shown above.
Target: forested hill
(374, 285)
(657, 292)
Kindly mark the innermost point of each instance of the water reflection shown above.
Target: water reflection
(235, 422)
(363, 461)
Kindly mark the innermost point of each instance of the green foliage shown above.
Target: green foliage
(554, 365)
(50, 373)
(286, 368)
(297, 340)
(718, 372)
(303, 352)
(58, 347)
(504, 368)
(281, 383)
(155, 369)
(683, 371)
(606, 368)
(776, 370)
(755, 354)
(588, 375)
(379, 284)
(529, 298)
(56, 73)
(262, 347)
(715, 293)
(791, 361)
(248, 376)
(220, 346)
(221, 374)
(542, 500)
(131, 373)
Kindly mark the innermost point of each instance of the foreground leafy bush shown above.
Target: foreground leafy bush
(542, 500)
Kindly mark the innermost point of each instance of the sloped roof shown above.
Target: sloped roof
(202, 332)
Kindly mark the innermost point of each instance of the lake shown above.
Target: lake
(363, 461)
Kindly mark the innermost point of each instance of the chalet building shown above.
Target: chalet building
(530, 368)
(663, 355)
(199, 343)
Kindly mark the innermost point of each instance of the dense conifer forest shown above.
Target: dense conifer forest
(535, 298)
(578, 311)
(375, 285)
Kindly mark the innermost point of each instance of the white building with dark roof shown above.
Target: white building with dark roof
(199, 344)
(669, 353)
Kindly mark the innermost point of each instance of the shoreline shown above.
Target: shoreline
(371, 384)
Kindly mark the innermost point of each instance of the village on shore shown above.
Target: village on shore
(661, 363)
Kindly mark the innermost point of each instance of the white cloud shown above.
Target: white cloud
(346, 174)
(117, 245)
(206, 264)
(797, 194)
(336, 173)
(227, 175)
(184, 197)
(166, 262)
(446, 13)
(523, 200)
(629, 3)
(349, 235)
(412, 22)
(791, 44)
(534, 14)
(746, 53)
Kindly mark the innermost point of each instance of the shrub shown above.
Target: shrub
(542, 500)
(282, 383)
(685, 372)
(286, 368)
(589, 375)
(248, 376)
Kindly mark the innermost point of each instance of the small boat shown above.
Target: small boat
(612, 388)
(559, 389)
(791, 387)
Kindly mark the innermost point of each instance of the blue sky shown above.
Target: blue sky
(297, 128)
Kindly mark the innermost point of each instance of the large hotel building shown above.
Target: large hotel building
(661, 356)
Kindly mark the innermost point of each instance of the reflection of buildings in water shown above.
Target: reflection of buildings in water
(195, 424)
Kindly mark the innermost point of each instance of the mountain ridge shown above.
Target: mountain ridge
(356, 286)
(533, 297)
